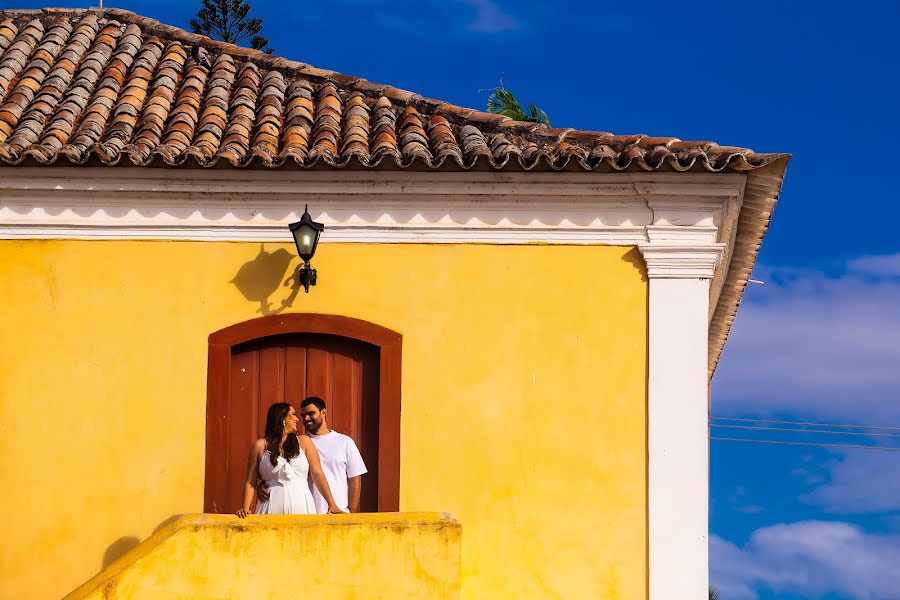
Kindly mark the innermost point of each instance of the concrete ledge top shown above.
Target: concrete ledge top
(374, 522)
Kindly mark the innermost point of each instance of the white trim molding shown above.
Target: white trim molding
(333, 234)
(49, 203)
(680, 266)
(672, 261)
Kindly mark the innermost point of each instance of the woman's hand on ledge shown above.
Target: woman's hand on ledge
(334, 510)
(243, 512)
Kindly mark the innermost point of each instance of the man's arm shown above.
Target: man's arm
(356, 468)
(354, 491)
(262, 490)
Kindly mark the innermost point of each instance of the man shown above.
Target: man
(341, 461)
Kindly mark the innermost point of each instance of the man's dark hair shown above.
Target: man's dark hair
(318, 402)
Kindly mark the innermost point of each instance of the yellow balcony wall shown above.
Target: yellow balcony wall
(344, 557)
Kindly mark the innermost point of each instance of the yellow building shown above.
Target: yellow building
(516, 323)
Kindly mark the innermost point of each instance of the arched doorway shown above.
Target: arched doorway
(354, 365)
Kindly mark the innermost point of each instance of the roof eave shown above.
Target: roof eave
(761, 194)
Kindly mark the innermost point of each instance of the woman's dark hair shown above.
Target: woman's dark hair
(278, 413)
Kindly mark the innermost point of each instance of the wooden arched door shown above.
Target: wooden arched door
(353, 365)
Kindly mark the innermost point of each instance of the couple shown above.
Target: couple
(285, 459)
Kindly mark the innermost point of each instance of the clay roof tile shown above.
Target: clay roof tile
(76, 82)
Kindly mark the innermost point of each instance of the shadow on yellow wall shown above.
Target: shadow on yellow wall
(118, 549)
(126, 544)
(635, 259)
(261, 277)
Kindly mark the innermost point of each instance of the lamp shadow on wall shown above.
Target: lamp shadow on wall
(258, 280)
(118, 549)
(126, 544)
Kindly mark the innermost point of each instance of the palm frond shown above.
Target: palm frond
(536, 115)
(502, 102)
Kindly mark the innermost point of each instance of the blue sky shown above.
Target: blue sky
(818, 340)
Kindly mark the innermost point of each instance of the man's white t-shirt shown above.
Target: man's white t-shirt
(340, 460)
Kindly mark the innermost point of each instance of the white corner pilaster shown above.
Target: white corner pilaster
(681, 261)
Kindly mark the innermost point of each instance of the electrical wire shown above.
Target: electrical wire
(793, 430)
(805, 424)
(823, 445)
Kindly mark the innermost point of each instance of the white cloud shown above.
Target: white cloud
(817, 345)
(732, 571)
(880, 266)
(863, 482)
(490, 18)
(811, 558)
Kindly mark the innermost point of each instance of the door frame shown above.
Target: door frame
(218, 390)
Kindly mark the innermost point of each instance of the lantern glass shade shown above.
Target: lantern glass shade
(306, 234)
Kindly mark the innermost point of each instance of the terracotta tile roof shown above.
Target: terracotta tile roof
(82, 86)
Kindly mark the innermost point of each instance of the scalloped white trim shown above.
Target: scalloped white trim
(104, 203)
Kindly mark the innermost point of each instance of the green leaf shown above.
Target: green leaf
(502, 102)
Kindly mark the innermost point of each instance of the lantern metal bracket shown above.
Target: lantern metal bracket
(306, 275)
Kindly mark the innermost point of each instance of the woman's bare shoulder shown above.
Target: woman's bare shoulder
(259, 446)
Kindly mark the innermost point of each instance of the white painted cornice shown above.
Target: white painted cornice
(582, 208)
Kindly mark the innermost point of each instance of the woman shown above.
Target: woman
(283, 459)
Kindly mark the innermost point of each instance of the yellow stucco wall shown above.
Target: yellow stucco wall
(524, 393)
(386, 556)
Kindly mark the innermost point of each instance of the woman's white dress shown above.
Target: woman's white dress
(288, 490)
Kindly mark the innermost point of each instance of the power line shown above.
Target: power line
(776, 442)
(792, 430)
(806, 424)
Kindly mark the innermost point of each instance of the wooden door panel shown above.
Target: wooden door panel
(288, 368)
(243, 417)
(215, 491)
(295, 378)
(344, 392)
(367, 439)
(271, 378)
(319, 373)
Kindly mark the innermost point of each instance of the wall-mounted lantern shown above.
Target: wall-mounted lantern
(306, 234)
